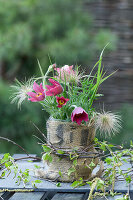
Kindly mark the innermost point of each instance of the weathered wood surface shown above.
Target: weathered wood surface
(48, 189)
(27, 196)
(116, 15)
(68, 196)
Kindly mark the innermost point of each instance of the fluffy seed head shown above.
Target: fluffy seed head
(21, 90)
(108, 123)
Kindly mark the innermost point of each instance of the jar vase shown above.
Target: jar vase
(69, 137)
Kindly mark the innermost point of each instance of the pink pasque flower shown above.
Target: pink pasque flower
(39, 95)
(66, 72)
(61, 101)
(53, 90)
(78, 115)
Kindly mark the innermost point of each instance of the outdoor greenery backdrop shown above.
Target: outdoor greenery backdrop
(56, 31)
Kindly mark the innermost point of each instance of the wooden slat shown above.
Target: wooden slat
(48, 195)
(86, 195)
(6, 195)
(131, 194)
(109, 198)
(27, 196)
(68, 196)
(1, 193)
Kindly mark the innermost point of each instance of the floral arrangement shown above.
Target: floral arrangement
(66, 94)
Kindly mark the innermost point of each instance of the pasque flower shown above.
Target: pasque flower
(61, 101)
(54, 89)
(22, 88)
(39, 95)
(78, 115)
(66, 73)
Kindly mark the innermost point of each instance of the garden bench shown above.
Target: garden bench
(47, 190)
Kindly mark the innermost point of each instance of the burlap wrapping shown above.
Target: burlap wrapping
(67, 135)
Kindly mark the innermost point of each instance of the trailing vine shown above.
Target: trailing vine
(102, 184)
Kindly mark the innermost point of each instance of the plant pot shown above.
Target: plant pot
(67, 136)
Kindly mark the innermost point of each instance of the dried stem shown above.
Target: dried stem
(8, 140)
(28, 157)
(45, 138)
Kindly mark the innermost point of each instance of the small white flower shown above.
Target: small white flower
(21, 90)
(108, 123)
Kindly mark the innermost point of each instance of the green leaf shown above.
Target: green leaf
(8, 164)
(110, 145)
(120, 171)
(6, 158)
(37, 166)
(131, 143)
(92, 164)
(33, 184)
(95, 140)
(38, 181)
(60, 174)
(89, 182)
(125, 160)
(128, 179)
(71, 170)
(60, 152)
(58, 184)
(103, 147)
(100, 185)
(75, 162)
(3, 174)
(46, 148)
(47, 156)
(108, 161)
(75, 183)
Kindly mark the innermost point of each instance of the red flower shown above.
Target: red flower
(39, 95)
(61, 101)
(54, 89)
(78, 115)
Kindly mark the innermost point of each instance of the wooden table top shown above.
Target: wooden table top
(48, 190)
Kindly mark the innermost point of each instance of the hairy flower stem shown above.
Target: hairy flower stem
(46, 74)
(95, 181)
(113, 178)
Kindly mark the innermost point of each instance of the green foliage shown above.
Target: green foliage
(46, 148)
(113, 170)
(47, 157)
(79, 94)
(77, 183)
(20, 176)
(60, 151)
(17, 124)
(71, 170)
(32, 29)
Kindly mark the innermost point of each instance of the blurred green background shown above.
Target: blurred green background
(57, 30)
